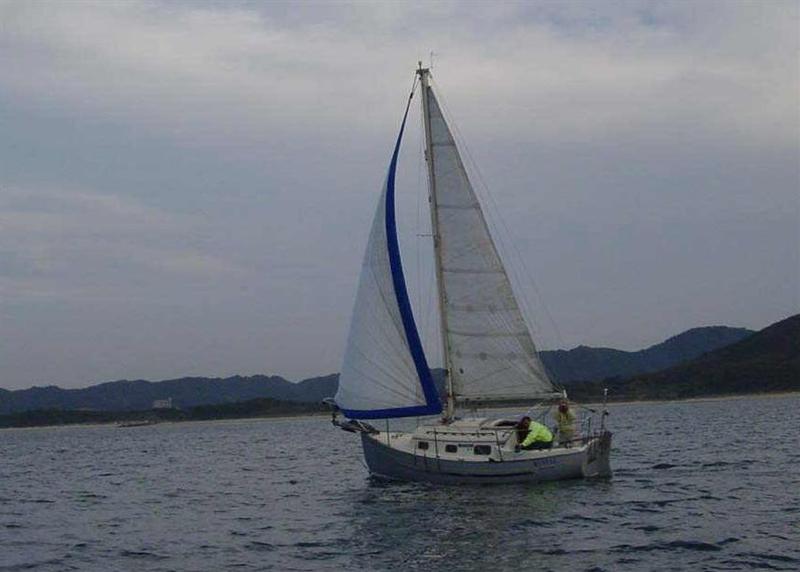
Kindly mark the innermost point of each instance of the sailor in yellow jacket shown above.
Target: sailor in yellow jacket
(533, 435)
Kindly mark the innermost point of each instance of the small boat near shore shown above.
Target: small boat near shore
(137, 423)
(489, 355)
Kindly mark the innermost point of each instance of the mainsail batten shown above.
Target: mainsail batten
(489, 351)
(385, 366)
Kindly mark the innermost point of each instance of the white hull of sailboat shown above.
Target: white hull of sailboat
(388, 461)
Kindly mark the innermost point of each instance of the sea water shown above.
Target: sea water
(703, 485)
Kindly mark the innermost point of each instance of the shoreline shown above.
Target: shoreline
(115, 424)
(726, 397)
(289, 416)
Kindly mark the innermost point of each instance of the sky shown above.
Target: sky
(186, 188)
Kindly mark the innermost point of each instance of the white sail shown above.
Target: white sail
(385, 373)
(491, 354)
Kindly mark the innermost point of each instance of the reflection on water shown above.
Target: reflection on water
(692, 489)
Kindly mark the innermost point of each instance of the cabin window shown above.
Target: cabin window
(482, 450)
(422, 445)
(451, 448)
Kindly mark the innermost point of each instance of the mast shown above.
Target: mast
(424, 77)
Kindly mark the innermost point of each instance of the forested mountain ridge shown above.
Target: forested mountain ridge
(582, 364)
(589, 364)
(767, 361)
(185, 392)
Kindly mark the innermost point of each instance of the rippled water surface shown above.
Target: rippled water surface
(708, 485)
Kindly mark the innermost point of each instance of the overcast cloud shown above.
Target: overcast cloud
(186, 188)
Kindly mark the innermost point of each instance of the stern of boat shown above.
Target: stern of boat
(598, 457)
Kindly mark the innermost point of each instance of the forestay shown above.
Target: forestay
(491, 353)
(385, 372)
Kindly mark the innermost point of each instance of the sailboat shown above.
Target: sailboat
(489, 355)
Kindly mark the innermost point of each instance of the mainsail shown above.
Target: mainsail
(490, 353)
(384, 364)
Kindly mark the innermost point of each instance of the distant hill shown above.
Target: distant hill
(185, 393)
(767, 361)
(588, 364)
(582, 363)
